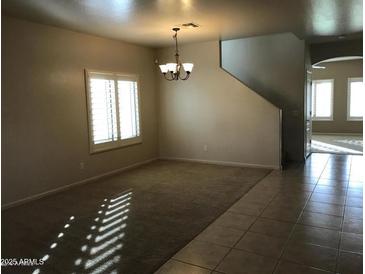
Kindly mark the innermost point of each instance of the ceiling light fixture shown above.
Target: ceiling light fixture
(172, 71)
(190, 25)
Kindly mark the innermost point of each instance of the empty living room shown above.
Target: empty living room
(182, 137)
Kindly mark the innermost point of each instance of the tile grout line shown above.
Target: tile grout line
(296, 223)
(343, 219)
(256, 217)
(180, 261)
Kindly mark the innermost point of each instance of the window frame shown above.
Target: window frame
(115, 76)
(348, 116)
(314, 94)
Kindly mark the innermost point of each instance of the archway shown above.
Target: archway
(336, 106)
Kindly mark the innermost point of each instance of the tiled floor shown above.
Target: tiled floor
(307, 219)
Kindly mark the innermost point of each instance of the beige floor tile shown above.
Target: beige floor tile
(350, 263)
(282, 213)
(285, 267)
(351, 242)
(353, 213)
(321, 220)
(316, 236)
(247, 208)
(352, 226)
(324, 208)
(235, 221)
(220, 235)
(329, 199)
(262, 244)
(311, 255)
(176, 267)
(202, 254)
(272, 228)
(242, 262)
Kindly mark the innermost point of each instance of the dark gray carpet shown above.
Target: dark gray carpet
(158, 208)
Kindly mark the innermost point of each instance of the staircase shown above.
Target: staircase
(274, 67)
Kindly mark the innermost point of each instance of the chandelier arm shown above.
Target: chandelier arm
(167, 78)
(186, 76)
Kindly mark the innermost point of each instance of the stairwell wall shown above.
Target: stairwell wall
(274, 67)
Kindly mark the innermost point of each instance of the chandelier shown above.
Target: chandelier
(172, 71)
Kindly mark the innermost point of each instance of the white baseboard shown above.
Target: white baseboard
(78, 183)
(337, 134)
(221, 163)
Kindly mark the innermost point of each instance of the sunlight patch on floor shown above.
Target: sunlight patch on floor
(337, 144)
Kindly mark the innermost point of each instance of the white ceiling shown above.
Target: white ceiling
(149, 22)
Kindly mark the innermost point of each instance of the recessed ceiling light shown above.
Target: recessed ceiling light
(190, 25)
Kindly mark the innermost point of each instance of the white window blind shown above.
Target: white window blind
(113, 107)
(128, 105)
(322, 99)
(103, 110)
(355, 99)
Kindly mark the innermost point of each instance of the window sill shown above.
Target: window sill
(354, 119)
(94, 149)
(322, 120)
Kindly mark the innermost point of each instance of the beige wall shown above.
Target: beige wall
(214, 109)
(340, 72)
(44, 120)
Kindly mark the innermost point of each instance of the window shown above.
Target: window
(322, 100)
(113, 110)
(355, 99)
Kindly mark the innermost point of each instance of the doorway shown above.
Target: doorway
(334, 106)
